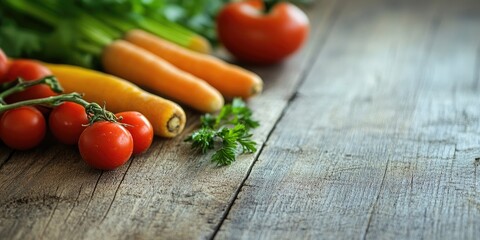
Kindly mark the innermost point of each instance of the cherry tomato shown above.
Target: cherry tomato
(3, 64)
(22, 128)
(67, 122)
(28, 70)
(105, 145)
(140, 128)
(263, 38)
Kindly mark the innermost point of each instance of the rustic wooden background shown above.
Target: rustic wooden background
(372, 131)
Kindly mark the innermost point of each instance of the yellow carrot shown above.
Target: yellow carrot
(167, 118)
(231, 80)
(147, 70)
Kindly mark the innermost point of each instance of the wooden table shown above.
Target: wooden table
(372, 131)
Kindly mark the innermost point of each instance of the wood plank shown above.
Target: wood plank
(381, 139)
(438, 196)
(4, 154)
(168, 192)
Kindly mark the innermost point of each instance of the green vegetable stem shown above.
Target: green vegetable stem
(20, 85)
(76, 32)
(94, 111)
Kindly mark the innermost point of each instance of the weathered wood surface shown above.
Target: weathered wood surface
(372, 131)
(381, 140)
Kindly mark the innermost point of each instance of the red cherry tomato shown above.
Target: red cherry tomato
(3, 65)
(255, 37)
(140, 128)
(105, 145)
(22, 128)
(67, 122)
(28, 70)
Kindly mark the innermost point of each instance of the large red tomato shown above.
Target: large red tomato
(105, 145)
(257, 37)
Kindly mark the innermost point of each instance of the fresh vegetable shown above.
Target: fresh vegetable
(232, 81)
(28, 70)
(105, 145)
(230, 129)
(167, 118)
(75, 32)
(254, 36)
(22, 128)
(198, 15)
(160, 76)
(4, 64)
(67, 122)
(140, 129)
(95, 38)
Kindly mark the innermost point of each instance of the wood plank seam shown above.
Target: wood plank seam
(335, 13)
(51, 215)
(375, 203)
(89, 199)
(116, 190)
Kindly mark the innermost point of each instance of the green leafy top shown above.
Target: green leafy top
(76, 31)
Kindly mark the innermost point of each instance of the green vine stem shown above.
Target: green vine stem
(94, 111)
(20, 85)
(269, 5)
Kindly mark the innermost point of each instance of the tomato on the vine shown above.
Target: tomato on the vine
(3, 64)
(105, 145)
(264, 38)
(67, 122)
(140, 128)
(22, 128)
(28, 70)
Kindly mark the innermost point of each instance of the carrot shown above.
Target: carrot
(230, 80)
(145, 69)
(167, 118)
(199, 44)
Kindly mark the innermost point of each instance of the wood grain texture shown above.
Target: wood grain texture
(382, 140)
(5, 153)
(169, 192)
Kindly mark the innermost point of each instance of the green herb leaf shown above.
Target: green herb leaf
(230, 129)
(203, 139)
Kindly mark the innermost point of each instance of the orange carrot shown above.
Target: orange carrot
(145, 69)
(167, 118)
(230, 80)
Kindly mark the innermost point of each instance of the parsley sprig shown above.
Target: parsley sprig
(228, 133)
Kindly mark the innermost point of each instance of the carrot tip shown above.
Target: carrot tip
(200, 44)
(217, 105)
(257, 86)
(257, 89)
(174, 124)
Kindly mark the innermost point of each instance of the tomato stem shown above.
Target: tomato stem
(269, 4)
(94, 111)
(20, 85)
(52, 101)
